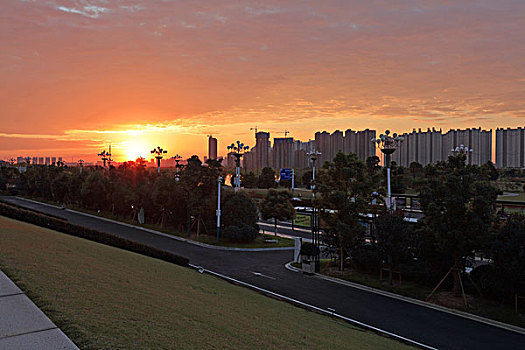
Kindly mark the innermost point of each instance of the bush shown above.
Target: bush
(93, 235)
(366, 259)
(309, 249)
(242, 234)
(415, 271)
(492, 282)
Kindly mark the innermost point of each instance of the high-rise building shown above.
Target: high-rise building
(212, 148)
(283, 155)
(365, 146)
(422, 147)
(510, 148)
(359, 142)
(35, 160)
(323, 145)
(53, 160)
(480, 141)
(336, 143)
(262, 149)
(41, 160)
(48, 161)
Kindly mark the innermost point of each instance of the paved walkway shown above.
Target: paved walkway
(23, 325)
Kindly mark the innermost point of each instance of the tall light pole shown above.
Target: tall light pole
(104, 156)
(462, 149)
(238, 150)
(177, 158)
(158, 155)
(80, 165)
(219, 183)
(388, 144)
(315, 216)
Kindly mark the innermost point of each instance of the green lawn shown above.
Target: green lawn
(107, 298)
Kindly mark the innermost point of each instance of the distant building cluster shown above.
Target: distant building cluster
(420, 146)
(38, 160)
(289, 153)
(431, 146)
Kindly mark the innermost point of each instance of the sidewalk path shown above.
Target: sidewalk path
(23, 325)
(266, 270)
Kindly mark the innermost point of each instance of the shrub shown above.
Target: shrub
(242, 234)
(93, 235)
(414, 271)
(492, 282)
(309, 249)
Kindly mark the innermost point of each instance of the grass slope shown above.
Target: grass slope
(107, 298)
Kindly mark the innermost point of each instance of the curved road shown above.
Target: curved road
(428, 326)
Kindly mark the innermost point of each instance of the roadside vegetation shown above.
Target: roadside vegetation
(108, 298)
(464, 245)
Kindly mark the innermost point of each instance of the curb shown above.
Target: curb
(158, 233)
(463, 314)
(313, 308)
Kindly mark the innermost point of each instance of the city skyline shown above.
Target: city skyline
(80, 76)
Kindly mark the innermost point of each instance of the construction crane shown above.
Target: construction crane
(285, 132)
(254, 129)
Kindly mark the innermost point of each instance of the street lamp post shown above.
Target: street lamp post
(158, 155)
(388, 144)
(238, 150)
(462, 149)
(104, 156)
(219, 183)
(80, 165)
(315, 215)
(177, 158)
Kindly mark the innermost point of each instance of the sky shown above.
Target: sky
(78, 75)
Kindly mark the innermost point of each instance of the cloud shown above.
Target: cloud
(90, 11)
(199, 66)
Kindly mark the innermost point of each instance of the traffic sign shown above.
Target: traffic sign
(286, 174)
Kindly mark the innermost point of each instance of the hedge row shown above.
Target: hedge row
(61, 225)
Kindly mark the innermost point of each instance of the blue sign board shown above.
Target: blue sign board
(286, 174)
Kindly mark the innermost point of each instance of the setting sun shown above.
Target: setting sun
(131, 150)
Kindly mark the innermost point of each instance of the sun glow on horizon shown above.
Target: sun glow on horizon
(133, 149)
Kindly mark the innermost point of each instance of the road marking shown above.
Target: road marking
(260, 274)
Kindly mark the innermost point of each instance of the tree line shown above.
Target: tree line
(457, 200)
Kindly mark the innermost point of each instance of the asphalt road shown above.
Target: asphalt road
(428, 326)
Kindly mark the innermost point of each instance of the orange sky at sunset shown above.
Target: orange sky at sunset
(76, 75)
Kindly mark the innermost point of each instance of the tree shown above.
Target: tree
(459, 208)
(307, 178)
(238, 210)
(372, 164)
(490, 171)
(93, 191)
(267, 178)
(276, 205)
(249, 180)
(346, 190)
(508, 252)
(392, 233)
(415, 168)
(200, 185)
